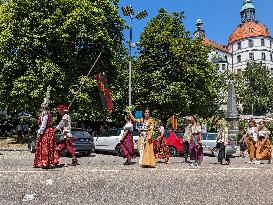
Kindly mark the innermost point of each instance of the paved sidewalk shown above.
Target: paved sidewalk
(9, 145)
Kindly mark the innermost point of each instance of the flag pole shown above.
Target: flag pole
(86, 76)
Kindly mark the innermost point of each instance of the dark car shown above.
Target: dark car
(82, 141)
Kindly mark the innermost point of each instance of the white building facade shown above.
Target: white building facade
(250, 41)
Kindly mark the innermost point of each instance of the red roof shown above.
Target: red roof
(248, 29)
(215, 45)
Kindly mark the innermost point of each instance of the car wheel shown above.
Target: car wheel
(172, 151)
(86, 154)
(32, 147)
(117, 150)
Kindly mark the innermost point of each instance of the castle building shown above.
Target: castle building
(250, 41)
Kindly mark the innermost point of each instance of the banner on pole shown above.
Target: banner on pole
(105, 93)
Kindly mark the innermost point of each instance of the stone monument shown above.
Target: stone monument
(232, 111)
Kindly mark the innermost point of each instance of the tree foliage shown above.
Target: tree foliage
(255, 89)
(55, 42)
(173, 74)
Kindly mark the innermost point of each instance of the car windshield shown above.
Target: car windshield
(135, 133)
(111, 132)
(179, 134)
(209, 136)
(80, 133)
(167, 134)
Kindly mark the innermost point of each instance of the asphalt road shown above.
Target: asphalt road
(103, 179)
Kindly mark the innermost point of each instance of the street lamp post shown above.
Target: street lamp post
(128, 11)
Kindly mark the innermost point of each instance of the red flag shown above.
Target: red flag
(105, 92)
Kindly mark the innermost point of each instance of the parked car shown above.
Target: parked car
(209, 142)
(174, 140)
(82, 141)
(109, 140)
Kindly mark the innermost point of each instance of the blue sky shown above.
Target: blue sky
(220, 17)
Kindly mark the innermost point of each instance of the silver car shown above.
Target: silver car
(209, 144)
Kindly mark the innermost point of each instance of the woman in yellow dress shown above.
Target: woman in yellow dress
(145, 140)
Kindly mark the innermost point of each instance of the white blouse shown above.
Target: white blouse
(262, 133)
(42, 127)
(128, 126)
(251, 131)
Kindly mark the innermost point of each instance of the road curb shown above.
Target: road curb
(13, 150)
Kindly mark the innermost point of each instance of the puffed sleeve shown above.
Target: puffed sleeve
(128, 126)
(62, 123)
(162, 130)
(43, 125)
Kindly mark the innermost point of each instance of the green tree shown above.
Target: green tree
(173, 74)
(55, 42)
(255, 89)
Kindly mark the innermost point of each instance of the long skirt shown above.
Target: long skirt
(127, 146)
(146, 150)
(46, 150)
(161, 149)
(251, 148)
(196, 152)
(264, 150)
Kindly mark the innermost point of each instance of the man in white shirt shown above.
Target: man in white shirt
(65, 127)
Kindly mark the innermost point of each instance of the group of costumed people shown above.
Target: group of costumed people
(152, 145)
(257, 143)
(149, 130)
(193, 145)
(47, 152)
(151, 142)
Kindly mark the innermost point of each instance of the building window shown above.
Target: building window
(251, 56)
(239, 45)
(271, 57)
(223, 67)
(250, 43)
(250, 30)
(262, 42)
(270, 44)
(239, 59)
(271, 71)
(263, 56)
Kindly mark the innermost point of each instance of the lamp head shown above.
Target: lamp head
(141, 14)
(127, 10)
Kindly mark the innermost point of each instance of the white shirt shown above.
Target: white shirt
(128, 126)
(262, 133)
(162, 129)
(251, 132)
(65, 126)
(42, 127)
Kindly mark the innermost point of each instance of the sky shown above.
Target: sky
(220, 17)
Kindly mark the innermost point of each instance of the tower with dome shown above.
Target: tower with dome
(250, 41)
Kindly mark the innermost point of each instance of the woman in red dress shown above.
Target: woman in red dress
(127, 143)
(46, 149)
(161, 148)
